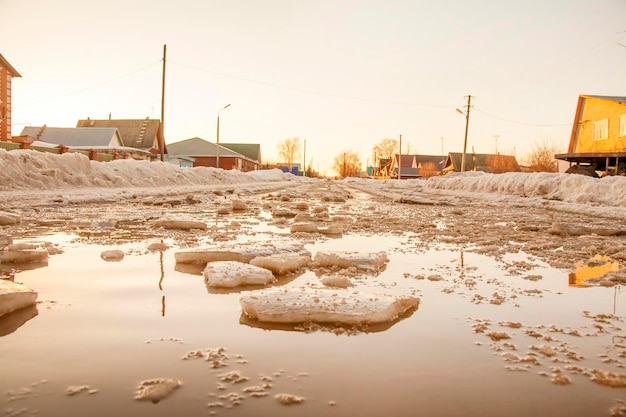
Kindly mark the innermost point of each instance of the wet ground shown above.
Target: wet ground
(516, 317)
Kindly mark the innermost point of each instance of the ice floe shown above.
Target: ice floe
(230, 274)
(281, 264)
(14, 296)
(304, 305)
(363, 261)
(240, 253)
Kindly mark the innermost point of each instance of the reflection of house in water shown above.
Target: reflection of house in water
(596, 268)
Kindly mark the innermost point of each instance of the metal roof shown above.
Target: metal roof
(619, 99)
(249, 150)
(135, 133)
(75, 136)
(199, 147)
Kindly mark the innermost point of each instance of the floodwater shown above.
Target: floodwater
(493, 335)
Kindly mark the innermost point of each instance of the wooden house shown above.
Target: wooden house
(145, 134)
(7, 73)
(416, 166)
(598, 138)
(97, 140)
(205, 154)
(492, 163)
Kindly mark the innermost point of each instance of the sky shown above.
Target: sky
(341, 75)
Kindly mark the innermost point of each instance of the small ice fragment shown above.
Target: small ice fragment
(180, 224)
(281, 264)
(156, 389)
(288, 399)
(113, 255)
(230, 274)
(368, 261)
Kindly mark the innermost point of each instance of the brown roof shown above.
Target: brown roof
(4, 63)
(135, 133)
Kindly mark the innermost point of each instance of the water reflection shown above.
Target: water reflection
(597, 267)
(16, 319)
(337, 328)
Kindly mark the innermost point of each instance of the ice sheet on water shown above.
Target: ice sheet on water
(322, 305)
(240, 253)
(363, 261)
(14, 296)
(230, 274)
(281, 264)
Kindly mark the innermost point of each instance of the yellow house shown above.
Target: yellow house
(599, 134)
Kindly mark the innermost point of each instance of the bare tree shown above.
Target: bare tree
(386, 149)
(499, 164)
(347, 164)
(289, 151)
(541, 159)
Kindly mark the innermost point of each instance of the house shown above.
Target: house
(249, 150)
(416, 166)
(96, 140)
(145, 134)
(598, 139)
(205, 154)
(7, 73)
(492, 163)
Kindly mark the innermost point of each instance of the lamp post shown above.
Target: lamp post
(467, 114)
(217, 152)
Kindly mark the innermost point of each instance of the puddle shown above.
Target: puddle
(481, 325)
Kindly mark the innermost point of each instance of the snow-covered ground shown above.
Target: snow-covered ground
(32, 175)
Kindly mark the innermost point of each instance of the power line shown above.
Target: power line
(307, 91)
(518, 122)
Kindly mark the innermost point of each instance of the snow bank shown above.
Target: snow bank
(230, 274)
(307, 305)
(28, 169)
(15, 296)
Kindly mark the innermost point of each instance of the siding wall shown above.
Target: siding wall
(592, 110)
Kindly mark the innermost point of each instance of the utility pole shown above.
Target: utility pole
(400, 160)
(496, 137)
(304, 160)
(467, 115)
(162, 138)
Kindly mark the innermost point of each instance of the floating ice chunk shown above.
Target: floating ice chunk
(15, 296)
(239, 205)
(157, 247)
(239, 253)
(341, 281)
(562, 229)
(113, 255)
(288, 399)
(304, 227)
(22, 254)
(180, 224)
(156, 389)
(331, 230)
(7, 219)
(304, 305)
(368, 261)
(229, 274)
(281, 264)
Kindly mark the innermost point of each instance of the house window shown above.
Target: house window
(622, 125)
(601, 129)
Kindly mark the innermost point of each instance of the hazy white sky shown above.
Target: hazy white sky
(340, 74)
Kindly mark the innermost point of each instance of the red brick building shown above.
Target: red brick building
(7, 73)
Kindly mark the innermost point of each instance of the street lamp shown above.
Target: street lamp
(466, 114)
(217, 154)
